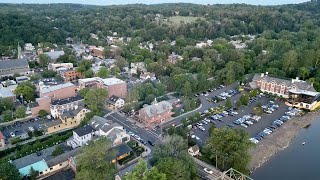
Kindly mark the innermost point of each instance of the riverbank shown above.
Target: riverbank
(279, 140)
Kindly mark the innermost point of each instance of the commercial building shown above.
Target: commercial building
(57, 107)
(71, 75)
(154, 114)
(14, 66)
(60, 91)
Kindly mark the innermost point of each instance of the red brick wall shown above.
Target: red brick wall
(61, 93)
(44, 103)
(72, 75)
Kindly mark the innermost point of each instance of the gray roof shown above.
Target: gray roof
(71, 113)
(5, 93)
(54, 55)
(122, 149)
(98, 122)
(107, 127)
(157, 108)
(13, 63)
(113, 99)
(63, 157)
(54, 88)
(302, 85)
(84, 130)
(67, 100)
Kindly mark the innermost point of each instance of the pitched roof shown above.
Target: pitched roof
(122, 149)
(302, 85)
(113, 99)
(195, 148)
(2, 136)
(13, 63)
(156, 108)
(84, 130)
(72, 113)
(98, 122)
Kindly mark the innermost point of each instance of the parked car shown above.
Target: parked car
(151, 143)
(12, 134)
(202, 128)
(208, 171)
(31, 129)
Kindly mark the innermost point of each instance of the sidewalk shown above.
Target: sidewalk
(16, 120)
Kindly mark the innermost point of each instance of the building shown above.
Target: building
(2, 140)
(81, 136)
(98, 52)
(148, 75)
(57, 66)
(194, 150)
(71, 75)
(57, 107)
(115, 102)
(110, 130)
(14, 66)
(115, 86)
(154, 114)
(54, 55)
(123, 150)
(21, 79)
(174, 58)
(7, 93)
(298, 93)
(40, 104)
(29, 47)
(60, 91)
(68, 120)
(137, 67)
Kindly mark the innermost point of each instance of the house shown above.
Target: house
(110, 130)
(123, 150)
(98, 52)
(21, 79)
(115, 86)
(67, 120)
(57, 107)
(29, 47)
(81, 136)
(71, 75)
(60, 91)
(14, 66)
(54, 55)
(194, 150)
(137, 67)
(2, 140)
(154, 114)
(174, 58)
(7, 93)
(148, 75)
(57, 66)
(298, 93)
(115, 102)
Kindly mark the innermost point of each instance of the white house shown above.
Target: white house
(116, 102)
(112, 131)
(148, 75)
(57, 107)
(81, 136)
(194, 150)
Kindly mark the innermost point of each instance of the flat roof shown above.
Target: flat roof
(309, 93)
(57, 87)
(112, 81)
(38, 166)
(5, 92)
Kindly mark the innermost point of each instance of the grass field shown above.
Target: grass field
(176, 20)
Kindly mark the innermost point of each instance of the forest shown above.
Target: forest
(289, 36)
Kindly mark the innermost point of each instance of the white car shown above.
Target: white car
(31, 129)
(254, 140)
(208, 171)
(243, 125)
(12, 134)
(202, 128)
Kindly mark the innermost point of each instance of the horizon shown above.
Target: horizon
(150, 2)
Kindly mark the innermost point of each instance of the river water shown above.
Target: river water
(297, 162)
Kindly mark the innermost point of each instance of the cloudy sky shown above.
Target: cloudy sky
(112, 2)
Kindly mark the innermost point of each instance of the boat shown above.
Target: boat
(303, 143)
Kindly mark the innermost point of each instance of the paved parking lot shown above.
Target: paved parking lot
(265, 121)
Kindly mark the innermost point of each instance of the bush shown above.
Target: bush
(57, 151)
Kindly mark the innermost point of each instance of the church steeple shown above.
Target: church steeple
(19, 52)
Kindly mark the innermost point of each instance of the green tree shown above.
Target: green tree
(238, 103)
(7, 116)
(95, 99)
(174, 168)
(229, 148)
(304, 72)
(49, 74)
(228, 103)
(290, 62)
(92, 161)
(27, 90)
(57, 151)
(8, 171)
(33, 174)
(83, 92)
(187, 90)
(44, 60)
(141, 171)
(6, 104)
(103, 72)
(244, 99)
(42, 113)
(21, 112)
(121, 62)
(89, 73)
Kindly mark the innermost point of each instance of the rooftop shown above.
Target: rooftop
(84, 130)
(54, 54)
(72, 113)
(122, 149)
(111, 81)
(298, 91)
(1, 135)
(57, 87)
(98, 122)
(13, 63)
(5, 93)
(67, 100)
(156, 108)
(62, 175)
(113, 99)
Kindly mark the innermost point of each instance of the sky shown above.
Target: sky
(118, 2)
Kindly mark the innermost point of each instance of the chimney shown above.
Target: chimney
(295, 80)
(262, 74)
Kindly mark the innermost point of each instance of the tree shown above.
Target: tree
(89, 73)
(27, 90)
(8, 171)
(42, 113)
(228, 148)
(57, 151)
(48, 74)
(21, 112)
(187, 90)
(238, 103)
(95, 99)
(174, 168)
(92, 161)
(103, 72)
(44, 60)
(141, 171)
(121, 62)
(6, 104)
(244, 99)
(83, 92)
(228, 103)
(290, 62)
(304, 72)
(7, 116)
(33, 174)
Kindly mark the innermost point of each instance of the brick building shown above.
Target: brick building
(71, 75)
(60, 91)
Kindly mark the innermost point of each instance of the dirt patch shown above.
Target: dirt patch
(279, 140)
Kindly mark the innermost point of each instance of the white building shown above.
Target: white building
(57, 66)
(57, 107)
(148, 75)
(194, 150)
(81, 136)
(29, 47)
(116, 102)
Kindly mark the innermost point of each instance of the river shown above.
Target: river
(297, 161)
